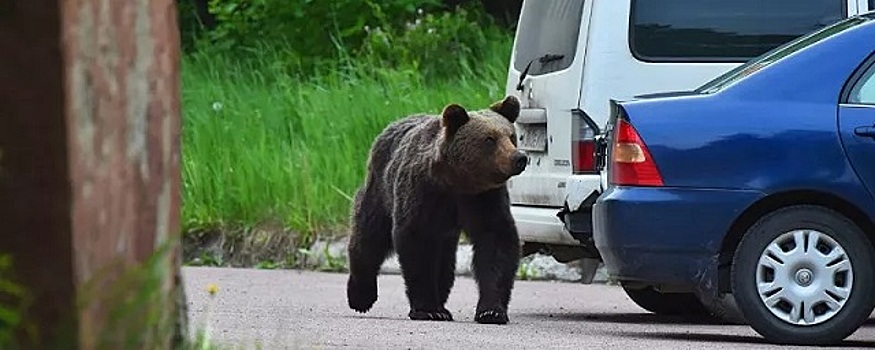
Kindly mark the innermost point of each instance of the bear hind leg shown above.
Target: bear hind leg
(446, 274)
(447, 268)
(420, 267)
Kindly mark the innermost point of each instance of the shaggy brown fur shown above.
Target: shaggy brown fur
(429, 178)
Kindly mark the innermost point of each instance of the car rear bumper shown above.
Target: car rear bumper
(666, 236)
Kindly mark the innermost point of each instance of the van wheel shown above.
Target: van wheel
(804, 275)
(665, 303)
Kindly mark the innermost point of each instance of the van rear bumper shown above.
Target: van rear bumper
(541, 224)
(568, 225)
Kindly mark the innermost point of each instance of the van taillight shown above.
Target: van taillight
(584, 156)
(631, 163)
(583, 146)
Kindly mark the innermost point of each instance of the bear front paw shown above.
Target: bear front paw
(491, 317)
(361, 297)
(440, 315)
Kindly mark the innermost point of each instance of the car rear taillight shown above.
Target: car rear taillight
(631, 163)
(583, 145)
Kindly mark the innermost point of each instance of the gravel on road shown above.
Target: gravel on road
(291, 309)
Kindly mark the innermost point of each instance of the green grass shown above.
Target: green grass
(261, 144)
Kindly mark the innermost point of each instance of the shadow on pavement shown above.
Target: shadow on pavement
(698, 337)
(685, 335)
(382, 318)
(628, 318)
(720, 338)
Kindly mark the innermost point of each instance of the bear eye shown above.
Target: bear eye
(490, 139)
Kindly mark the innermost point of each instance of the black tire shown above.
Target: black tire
(666, 303)
(724, 308)
(858, 250)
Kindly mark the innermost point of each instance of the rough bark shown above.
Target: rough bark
(89, 174)
(35, 227)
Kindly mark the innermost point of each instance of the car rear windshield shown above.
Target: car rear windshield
(778, 53)
(548, 33)
(723, 30)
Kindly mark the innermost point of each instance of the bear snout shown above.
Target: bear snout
(519, 162)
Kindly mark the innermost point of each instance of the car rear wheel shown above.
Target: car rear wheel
(724, 308)
(665, 303)
(804, 275)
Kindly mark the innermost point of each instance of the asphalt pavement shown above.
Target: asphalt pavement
(289, 309)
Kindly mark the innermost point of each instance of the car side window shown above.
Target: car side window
(864, 91)
(871, 5)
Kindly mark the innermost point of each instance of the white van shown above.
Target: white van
(570, 57)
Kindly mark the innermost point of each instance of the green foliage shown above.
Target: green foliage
(267, 265)
(206, 259)
(314, 30)
(262, 144)
(189, 24)
(138, 301)
(331, 262)
(439, 45)
(525, 270)
(308, 36)
(282, 100)
(14, 302)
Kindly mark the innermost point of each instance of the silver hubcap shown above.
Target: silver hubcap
(804, 277)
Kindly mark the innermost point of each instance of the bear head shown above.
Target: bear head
(480, 148)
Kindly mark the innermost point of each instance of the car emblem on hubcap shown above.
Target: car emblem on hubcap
(803, 277)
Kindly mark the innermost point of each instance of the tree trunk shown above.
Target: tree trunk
(89, 169)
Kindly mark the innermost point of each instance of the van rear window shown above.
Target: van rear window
(721, 30)
(547, 35)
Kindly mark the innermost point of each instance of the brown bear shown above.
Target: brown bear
(428, 179)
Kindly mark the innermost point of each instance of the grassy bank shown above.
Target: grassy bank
(261, 144)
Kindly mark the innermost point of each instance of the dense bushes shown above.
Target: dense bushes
(283, 98)
(421, 34)
(438, 45)
(313, 28)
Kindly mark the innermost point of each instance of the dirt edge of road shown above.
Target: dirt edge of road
(281, 249)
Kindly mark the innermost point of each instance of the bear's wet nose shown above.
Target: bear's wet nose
(519, 163)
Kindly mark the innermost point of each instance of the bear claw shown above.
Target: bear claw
(491, 317)
(360, 308)
(441, 315)
(361, 305)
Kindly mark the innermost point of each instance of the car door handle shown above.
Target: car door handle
(865, 131)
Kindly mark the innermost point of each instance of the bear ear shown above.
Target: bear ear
(454, 116)
(509, 108)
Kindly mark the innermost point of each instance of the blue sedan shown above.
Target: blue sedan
(757, 188)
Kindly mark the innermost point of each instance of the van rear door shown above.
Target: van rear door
(545, 74)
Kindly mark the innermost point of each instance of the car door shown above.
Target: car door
(857, 124)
